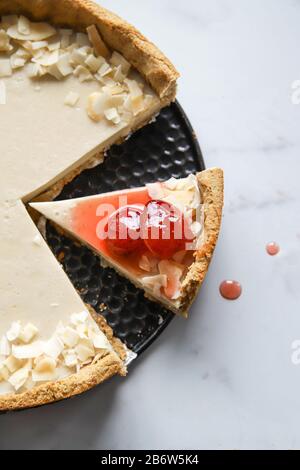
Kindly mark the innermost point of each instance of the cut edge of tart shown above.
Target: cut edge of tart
(108, 33)
(144, 266)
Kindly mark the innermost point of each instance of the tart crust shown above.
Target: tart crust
(211, 185)
(119, 35)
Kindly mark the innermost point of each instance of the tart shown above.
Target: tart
(74, 79)
(160, 236)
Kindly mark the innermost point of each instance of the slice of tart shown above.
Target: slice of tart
(74, 79)
(161, 236)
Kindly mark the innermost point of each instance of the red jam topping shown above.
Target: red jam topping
(272, 248)
(230, 290)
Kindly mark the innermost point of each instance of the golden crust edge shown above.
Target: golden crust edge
(211, 185)
(119, 35)
(109, 364)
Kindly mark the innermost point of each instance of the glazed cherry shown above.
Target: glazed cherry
(164, 229)
(123, 230)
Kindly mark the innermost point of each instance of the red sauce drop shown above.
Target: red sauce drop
(272, 248)
(230, 290)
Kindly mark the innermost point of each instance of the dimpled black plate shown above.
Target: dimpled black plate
(165, 148)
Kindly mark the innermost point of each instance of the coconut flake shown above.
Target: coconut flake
(17, 62)
(155, 190)
(18, 379)
(28, 351)
(5, 68)
(12, 363)
(173, 272)
(28, 333)
(98, 44)
(83, 73)
(5, 347)
(14, 331)
(63, 64)
(5, 45)
(53, 347)
(47, 59)
(38, 32)
(71, 99)
(155, 283)
(94, 63)
(70, 337)
(80, 317)
(112, 115)
(24, 26)
(118, 60)
(70, 358)
(85, 351)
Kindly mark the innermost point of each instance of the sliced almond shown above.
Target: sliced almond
(98, 44)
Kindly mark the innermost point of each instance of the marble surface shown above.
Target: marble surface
(225, 378)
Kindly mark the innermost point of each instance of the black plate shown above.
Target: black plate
(167, 147)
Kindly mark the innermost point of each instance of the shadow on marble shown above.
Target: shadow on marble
(70, 424)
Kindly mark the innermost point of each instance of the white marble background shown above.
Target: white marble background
(223, 379)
